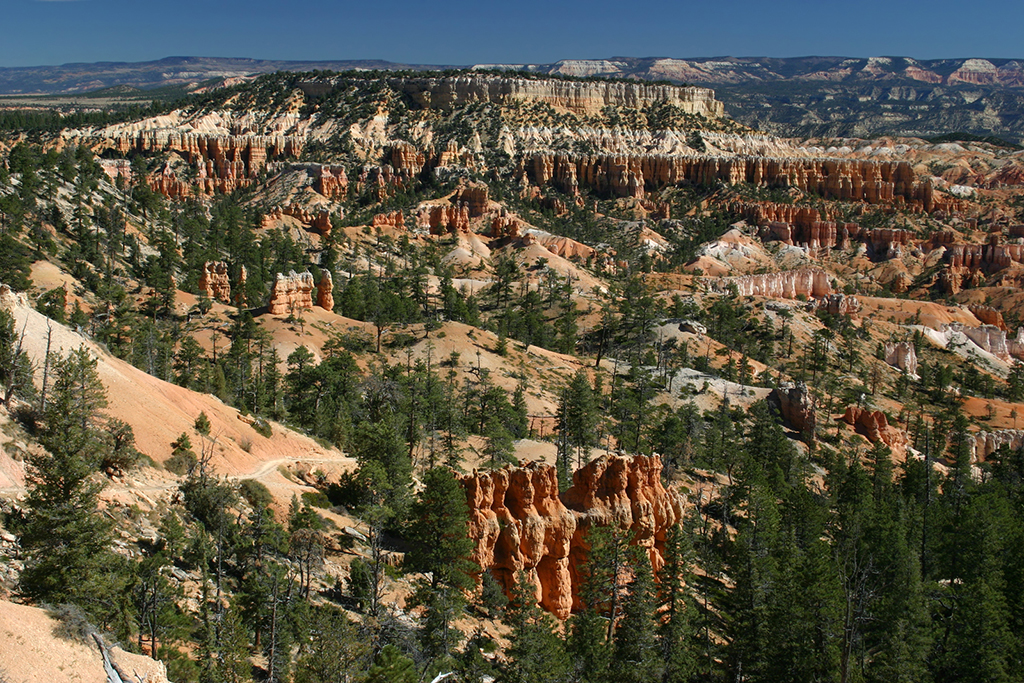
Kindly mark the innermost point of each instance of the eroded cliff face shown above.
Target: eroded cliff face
(214, 282)
(876, 428)
(984, 444)
(790, 284)
(625, 175)
(627, 494)
(315, 219)
(223, 163)
(796, 405)
(806, 227)
(991, 339)
(519, 522)
(290, 293)
(902, 355)
(582, 98)
(296, 292)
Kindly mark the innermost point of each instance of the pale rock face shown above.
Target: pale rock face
(840, 304)
(984, 444)
(575, 97)
(901, 355)
(809, 282)
(976, 71)
(290, 293)
(1016, 345)
(519, 523)
(796, 406)
(988, 338)
(10, 299)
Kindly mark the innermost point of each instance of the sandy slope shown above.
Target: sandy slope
(159, 411)
(30, 652)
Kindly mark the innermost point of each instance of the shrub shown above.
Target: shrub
(72, 623)
(255, 493)
(262, 428)
(181, 462)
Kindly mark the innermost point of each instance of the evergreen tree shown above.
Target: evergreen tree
(334, 652)
(440, 549)
(66, 540)
(637, 657)
(675, 635)
(15, 366)
(535, 654)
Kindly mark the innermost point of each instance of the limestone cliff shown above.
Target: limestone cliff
(582, 98)
(790, 284)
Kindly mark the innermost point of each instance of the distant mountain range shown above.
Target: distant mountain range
(807, 96)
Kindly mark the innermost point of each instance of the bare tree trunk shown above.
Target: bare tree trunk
(46, 367)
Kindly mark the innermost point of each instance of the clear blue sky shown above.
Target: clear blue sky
(43, 32)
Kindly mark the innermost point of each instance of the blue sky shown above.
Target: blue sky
(40, 32)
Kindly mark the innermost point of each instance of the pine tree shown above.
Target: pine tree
(535, 652)
(334, 651)
(441, 549)
(675, 634)
(15, 366)
(637, 658)
(66, 541)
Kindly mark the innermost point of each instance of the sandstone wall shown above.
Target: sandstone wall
(290, 293)
(984, 444)
(624, 175)
(988, 316)
(984, 257)
(214, 282)
(876, 428)
(332, 182)
(223, 162)
(439, 219)
(519, 522)
(316, 219)
(394, 219)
